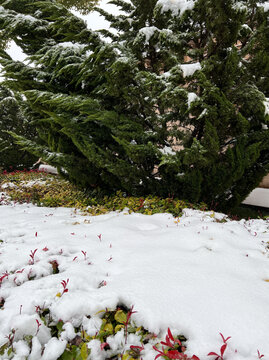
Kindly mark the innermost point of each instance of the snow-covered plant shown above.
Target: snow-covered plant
(38, 326)
(175, 103)
(173, 349)
(32, 256)
(222, 348)
(3, 276)
(64, 284)
(260, 356)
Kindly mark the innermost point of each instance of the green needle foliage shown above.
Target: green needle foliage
(83, 6)
(176, 102)
(12, 118)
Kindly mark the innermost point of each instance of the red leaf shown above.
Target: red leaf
(223, 338)
(212, 353)
(65, 290)
(179, 342)
(167, 343)
(137, 347)
(164, 343)
(103, 345)
(194, 357)
(170, 334)
(173, 354)
(222, 349)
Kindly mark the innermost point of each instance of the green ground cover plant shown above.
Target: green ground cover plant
(113, 321)
(53, 191)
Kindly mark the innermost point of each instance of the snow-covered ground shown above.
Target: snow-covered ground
(197, 275)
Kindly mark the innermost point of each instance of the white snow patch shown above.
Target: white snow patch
(21, 349)
(36, 349)
(54, 349)
(191, 98)
(32, 183)
(68, 332)
(266, 106)
(148, 32)
(176, 6)
(265, 5)
(189, 69)
(8, 185)
(166, 74)
(167, 150)
(204, 112)
(92, 325)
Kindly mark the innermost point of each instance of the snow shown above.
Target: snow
(176, 6)
(197, 275)
(148, 31)
(8, 185)
(167, 150)
(21, 348)
(191, 98)
(71, 45)
(32, 183)
(266, 106)
(69, 332)
(54, 349)
(15, 52)
(265, 5)
(189, 69)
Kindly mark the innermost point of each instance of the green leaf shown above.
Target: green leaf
(121, 317)
(84, 351)
(118, 328)
(67, 355)
(108, 328)
(2, 349)
(60, 326)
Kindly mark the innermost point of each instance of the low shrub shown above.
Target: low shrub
(48, 190)
(119, 320)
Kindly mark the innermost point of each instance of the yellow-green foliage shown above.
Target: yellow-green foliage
(52, 191)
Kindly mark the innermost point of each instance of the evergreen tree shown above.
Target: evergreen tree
(12, 118)
(175, 102)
